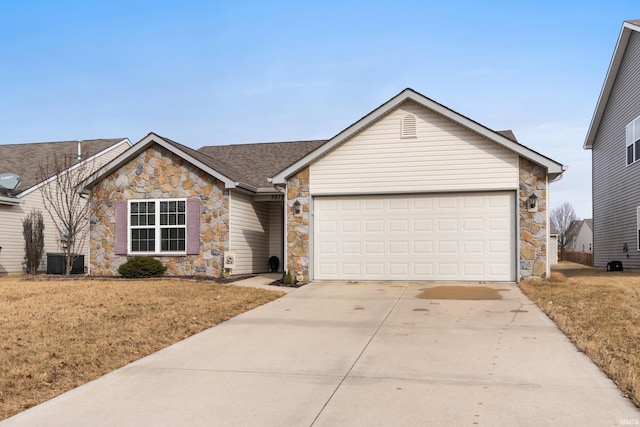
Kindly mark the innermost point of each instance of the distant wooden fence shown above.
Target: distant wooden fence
(579, 257)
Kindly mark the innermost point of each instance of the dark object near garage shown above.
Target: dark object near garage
(57, 264)
(614, 266)
(274, 263)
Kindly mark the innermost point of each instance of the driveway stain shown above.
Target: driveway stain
(420, 309)
(461, 293)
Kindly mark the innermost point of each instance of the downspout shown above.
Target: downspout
(547, 219)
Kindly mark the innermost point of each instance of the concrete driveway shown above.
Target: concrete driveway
(363, 354)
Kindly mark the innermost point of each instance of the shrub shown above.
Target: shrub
(142, 266)
(33, 232)
(288, 278)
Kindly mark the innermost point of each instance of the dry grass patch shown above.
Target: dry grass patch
(58, 334)
(600, 312)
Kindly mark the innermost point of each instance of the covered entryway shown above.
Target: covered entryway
(458, 236)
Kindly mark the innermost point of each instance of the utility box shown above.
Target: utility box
(56, 264)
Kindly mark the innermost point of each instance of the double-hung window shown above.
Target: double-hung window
(633, 141)
(157, 226)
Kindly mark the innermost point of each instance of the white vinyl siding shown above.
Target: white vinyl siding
(11, 238)
(461, 236)
(442, 157)
(249, 233)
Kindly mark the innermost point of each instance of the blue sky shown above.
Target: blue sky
(224, 72)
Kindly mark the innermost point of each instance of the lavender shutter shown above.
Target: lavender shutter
(121, 227)
(193, 226)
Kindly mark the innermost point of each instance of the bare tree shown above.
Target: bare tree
(67, 206)
(562, 217)
(33, 232)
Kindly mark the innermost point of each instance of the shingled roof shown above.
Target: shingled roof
(25, 160)
(257, 162)
(214, 163)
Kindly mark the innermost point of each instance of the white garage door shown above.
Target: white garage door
(468, 236)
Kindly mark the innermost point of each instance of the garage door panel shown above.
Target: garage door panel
(498, 225)
(351, 268)
(351, 248)
(422, 269)
(448, 247)
(421, 224)
(373, 248)
(328, 248)
(399, 248)
(350, 226)
(473, 270)
(374, 270)
(445, 225)
(373, 225)
(422, 247)
(448, 270)
(473, 247)
(418, 237)
(328, 269)
(447, 203)
(396, 225)
(327, 226)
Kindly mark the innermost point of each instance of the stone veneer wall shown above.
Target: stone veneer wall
(298, 226)
(533, 225)
(158, 174)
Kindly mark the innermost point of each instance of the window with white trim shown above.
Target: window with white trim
(157, 226)
(633, 141)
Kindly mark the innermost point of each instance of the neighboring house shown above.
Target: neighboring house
(412, 191)
(580, 236)
(553, 244)
(26, 161)
(614, 141)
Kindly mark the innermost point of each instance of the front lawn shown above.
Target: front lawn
(58, 334)
(600, 312)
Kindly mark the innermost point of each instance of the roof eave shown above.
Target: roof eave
(612, 72)
(11, 201)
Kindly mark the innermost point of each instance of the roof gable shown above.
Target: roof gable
(217, 169)
(616, 61)
(505, 140)
(26, 160)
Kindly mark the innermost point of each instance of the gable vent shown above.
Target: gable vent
(409, 126)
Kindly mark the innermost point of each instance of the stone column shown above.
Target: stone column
(298, 216)
(533, 223)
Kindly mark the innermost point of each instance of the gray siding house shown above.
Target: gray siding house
(614, 140)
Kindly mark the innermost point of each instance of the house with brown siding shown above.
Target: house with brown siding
(412, 191)
(26, 161)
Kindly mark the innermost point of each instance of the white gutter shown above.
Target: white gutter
(11, 201)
